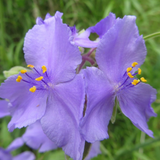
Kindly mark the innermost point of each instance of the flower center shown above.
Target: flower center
(38, 80)
(128, 76)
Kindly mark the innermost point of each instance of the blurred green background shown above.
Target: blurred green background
(126, 142)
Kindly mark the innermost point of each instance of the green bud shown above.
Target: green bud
(13, 71)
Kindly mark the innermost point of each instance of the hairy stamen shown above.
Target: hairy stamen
(39, 78)
(30, 66)
(23, 71)
(19, 78)
(135, 81)
(44, 68)
(134, 64)
(143, 79)
(32, 89)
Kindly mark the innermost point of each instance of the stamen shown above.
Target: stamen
(44, 68)
(130, 75)
(139, 71)
(143, 79)
(39, 78)
(19, 78)
(30, 66)
(25, 81)
(32, 89)
(29, 76)
(135, 81)
(134, 64)
(129, 69)
(23, 71)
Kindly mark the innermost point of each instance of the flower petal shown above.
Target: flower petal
(100, 102)
(48, 44)
(83, 40)
(119, 48)
(35, 138)
(61, 120)
(4, 108)
(25, 156)
(100, 28)
(49, 16)
(135, 103)
(25, 107)
(94, 151)
(5, 154)
(104, 25)
(17, 143)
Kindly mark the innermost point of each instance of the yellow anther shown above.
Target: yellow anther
(130, 75)
(143, 79)
(39, 78)
(19, 78)
(134, 64)
(135, 81)
(23, 71)
(129, 69)
(139, 71)
(32, 89)
(44, 68)
(30, 66)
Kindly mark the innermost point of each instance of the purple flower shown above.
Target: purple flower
(35, 138)
(4, 108)
(18, 142)
(51, 92)
(100, 28)
(119, 55)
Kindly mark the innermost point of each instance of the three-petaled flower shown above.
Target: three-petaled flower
(119, 55)
(50, 91)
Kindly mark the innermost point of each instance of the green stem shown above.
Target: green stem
(153, 35)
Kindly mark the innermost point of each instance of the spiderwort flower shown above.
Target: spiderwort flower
(119, 55)
(18, 142)
(51, 91)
